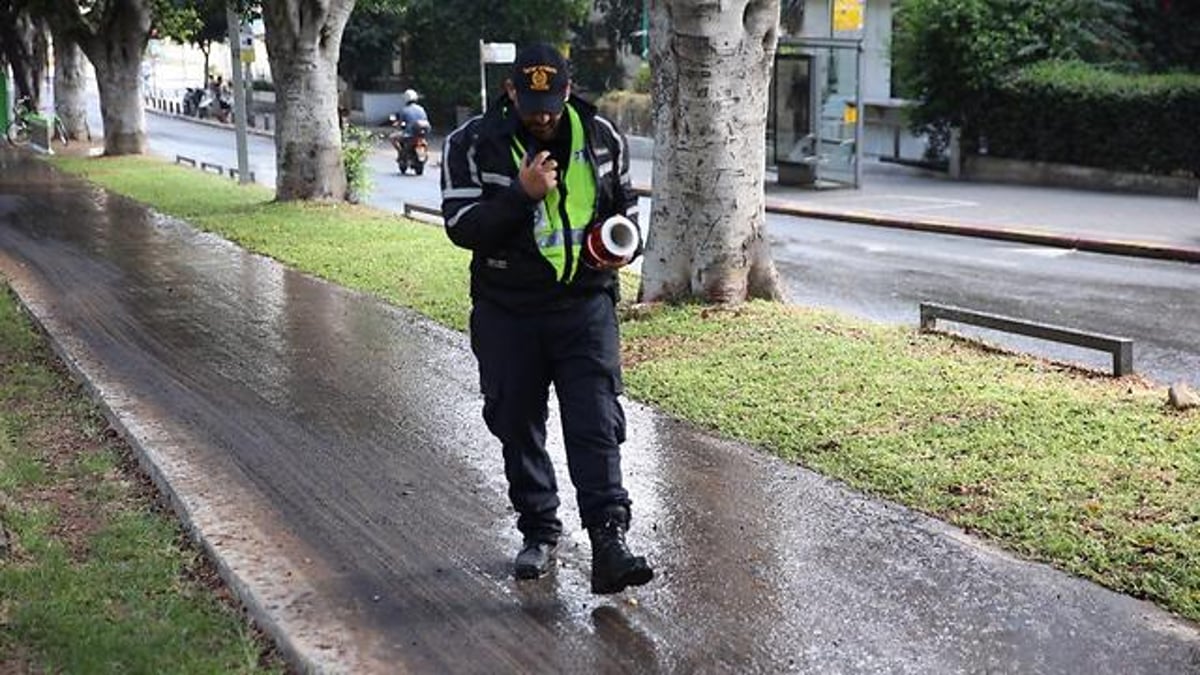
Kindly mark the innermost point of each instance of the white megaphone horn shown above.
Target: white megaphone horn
(613, 243)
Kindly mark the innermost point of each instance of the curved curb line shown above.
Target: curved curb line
(1135, 249)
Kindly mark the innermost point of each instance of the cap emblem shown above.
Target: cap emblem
(540, 76)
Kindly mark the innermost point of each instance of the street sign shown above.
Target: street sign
(492, 52)
(246, 40)
(497, 52)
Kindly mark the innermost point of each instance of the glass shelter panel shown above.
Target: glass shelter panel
(793, 105)
(815, 103)
(838, 118)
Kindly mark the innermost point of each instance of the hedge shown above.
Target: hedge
(1074, 113)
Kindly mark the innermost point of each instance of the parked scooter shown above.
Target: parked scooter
(221, 109)
(192, 99)
(412, 145)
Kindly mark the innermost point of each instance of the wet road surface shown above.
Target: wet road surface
(343, 437)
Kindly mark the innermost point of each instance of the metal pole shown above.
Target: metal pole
(4, 106)
(249, 89)
(482, 78)
(239, 92)
(645, 30)
(861, 68)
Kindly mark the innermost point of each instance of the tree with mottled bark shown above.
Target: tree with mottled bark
(303, 41)
(69, 80)
(113, 34)
(712, 68)
(23, 43)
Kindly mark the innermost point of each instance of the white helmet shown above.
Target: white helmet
(410, 96)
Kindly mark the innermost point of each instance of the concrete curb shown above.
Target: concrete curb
(216, 125)
(1025, 235)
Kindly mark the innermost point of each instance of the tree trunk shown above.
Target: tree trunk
(119, 80)
(303, 41)
(205, 49)
(23, 39)
(69, 99)
(114, 41)
(712, 68)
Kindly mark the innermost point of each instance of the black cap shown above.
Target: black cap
(540, 75)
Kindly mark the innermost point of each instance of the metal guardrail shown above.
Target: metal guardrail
(211, 167)
(410, 209)
(1120, 348)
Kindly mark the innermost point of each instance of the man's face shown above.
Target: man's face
(541, 124)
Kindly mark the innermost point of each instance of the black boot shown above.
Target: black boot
(613, 566)
(535, 559)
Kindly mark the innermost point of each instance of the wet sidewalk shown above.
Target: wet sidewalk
(328, 450)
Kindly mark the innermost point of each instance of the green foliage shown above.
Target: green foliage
(195, 22)
(643, 81)
(950, 55)
(1167, 34)
(594, 69)
(180, 21)
(1073, 113)
(369, 43)
(356, 148)
(445, 38)
(621, 22)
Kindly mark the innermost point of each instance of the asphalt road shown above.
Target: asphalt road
(882, 274)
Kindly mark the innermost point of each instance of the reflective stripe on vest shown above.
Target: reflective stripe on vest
(556, 229)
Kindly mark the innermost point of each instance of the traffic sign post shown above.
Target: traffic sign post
(239, 93)
(492, 52)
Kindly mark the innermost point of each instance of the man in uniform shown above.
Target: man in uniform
(521, 186)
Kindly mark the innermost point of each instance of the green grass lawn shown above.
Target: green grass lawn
(93, 578)
(1093, 474)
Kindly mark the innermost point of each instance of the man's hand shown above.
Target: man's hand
(539, 175)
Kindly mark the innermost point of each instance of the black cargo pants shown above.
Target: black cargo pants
(520, 355)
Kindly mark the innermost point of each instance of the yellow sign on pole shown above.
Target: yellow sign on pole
(850, 114)
(847, 15)
(247, 47)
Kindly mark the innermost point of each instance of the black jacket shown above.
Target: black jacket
(486, 210)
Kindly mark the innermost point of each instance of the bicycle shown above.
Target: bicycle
(20, 129)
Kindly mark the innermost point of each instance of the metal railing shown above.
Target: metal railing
(1120, 348)
(211, 167)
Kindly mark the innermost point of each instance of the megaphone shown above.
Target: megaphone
(612, 243)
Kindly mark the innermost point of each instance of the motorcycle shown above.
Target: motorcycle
(412, 146)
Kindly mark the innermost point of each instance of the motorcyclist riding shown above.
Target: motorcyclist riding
(409, 119)
(412, 124)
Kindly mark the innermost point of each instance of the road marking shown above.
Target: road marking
(1043, 252)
